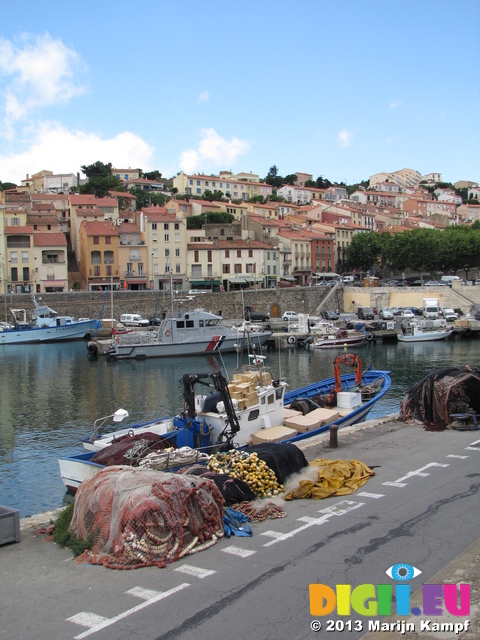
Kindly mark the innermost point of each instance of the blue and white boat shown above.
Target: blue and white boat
(223, 419)
(47, 326)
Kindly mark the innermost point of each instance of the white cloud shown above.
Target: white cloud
(345, 138)
(204, 96)
(213, 152)
(395, 103)
(62, 151)
(39, 73)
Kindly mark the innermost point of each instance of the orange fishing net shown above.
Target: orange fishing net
(139, 517)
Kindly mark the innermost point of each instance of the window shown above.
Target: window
(96, 240)
(196, 256)
(108, 239)
(199, 191)
(227, 253)
(109, 271)
(177, 237)
(198, 183)
(24, 257)
(129, 268)
(96, 271)
(154, 237)
(96, 257)
(176, 226)
(177, 253)
(238, 268)
(108, 257)
(166, 238)
(177, 268)
(209, 256)
(226, 268)
(250, 253)
(165, 226)
(190, 181)
(167, 253)
(154, 226)
(239, 253)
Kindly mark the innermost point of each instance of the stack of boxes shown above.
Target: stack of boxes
(243, 387)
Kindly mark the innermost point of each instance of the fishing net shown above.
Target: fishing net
(442, 393)
(138, 517)
(130, 449)
(283, 459)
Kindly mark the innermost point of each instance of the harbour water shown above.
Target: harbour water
(51, 394)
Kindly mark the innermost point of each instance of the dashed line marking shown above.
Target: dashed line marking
(364, 494)
(340, 509)
(97, 623)
(418, 472)
(452, 455)
(472, 446)
(197, 572)
(238, 551)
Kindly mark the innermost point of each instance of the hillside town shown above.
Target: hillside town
(54, 239)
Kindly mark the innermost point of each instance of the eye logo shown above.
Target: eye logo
(402, 572)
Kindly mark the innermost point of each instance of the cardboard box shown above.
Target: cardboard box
(290, 413)
(312, 420)
(273, 434)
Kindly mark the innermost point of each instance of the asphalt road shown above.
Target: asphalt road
(421, 508)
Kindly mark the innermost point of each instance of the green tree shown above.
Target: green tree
(367, 250)
(209, 217)
(292, 178)
(7, 185)
(147, 198)
(100, 180)
(273, 178)
(151, 175)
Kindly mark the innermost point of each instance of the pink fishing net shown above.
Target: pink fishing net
(139, 517)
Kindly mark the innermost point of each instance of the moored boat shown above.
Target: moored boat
(252, 408)
(47, 326)
(190, 333)
(418, 334)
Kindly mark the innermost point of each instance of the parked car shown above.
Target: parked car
(392, 283)
(193, 292)
(290, 316)
(407, 314)
(329, 315)
(365, 313)
(133, 320)
(477, 315)
(477, 281)
(155, 321)
(385, 314)
(435, 283)
(256, 316)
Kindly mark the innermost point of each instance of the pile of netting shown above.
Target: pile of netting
(131, 448)
(442, 393)
(138, 517)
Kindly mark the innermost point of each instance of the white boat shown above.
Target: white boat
(196, 332)
(418, 334)
(47, 326)
(333, 337)
(252, 408)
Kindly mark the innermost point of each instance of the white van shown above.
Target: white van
(449, 279)
(133, 320)
(348, 279)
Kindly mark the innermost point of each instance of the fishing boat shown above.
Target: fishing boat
(189, 333)
(47, 326)
(339, 338)
(252, 408)
(418, 334)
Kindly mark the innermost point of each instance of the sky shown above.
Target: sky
(341, 89)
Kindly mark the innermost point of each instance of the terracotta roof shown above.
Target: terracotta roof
(84, 198)
(98, 228)
(228, 244)
(43, 239)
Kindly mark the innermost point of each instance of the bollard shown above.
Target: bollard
(333, 436)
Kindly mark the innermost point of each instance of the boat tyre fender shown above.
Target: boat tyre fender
(92, 348)
(291, 339)
(369, 337)
(168, 333)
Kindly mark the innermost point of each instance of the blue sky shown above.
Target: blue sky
(341, 89)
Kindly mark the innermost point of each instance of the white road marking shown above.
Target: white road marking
(419, 472)
(452, 455)
(99, 623)
(144, 594)
(238, 551)
(364, 494)
(340, 509)
(195, 571)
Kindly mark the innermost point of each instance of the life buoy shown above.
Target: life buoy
(168, 332)
(369, 337)
(291, 340)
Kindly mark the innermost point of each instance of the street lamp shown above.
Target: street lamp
(152, 281)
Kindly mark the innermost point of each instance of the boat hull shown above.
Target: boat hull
(426, 336)
(75, 331)
(335, 343)
(207, 346)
